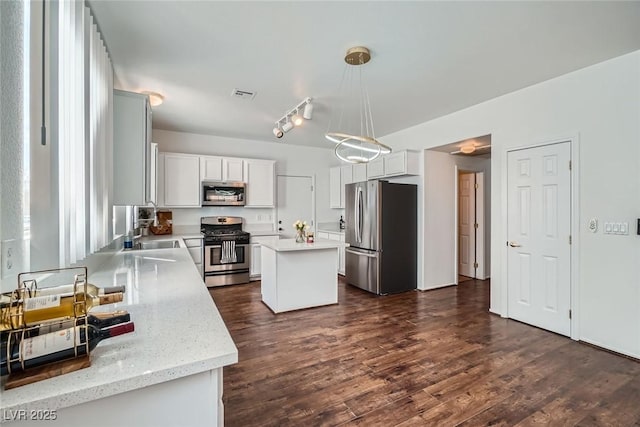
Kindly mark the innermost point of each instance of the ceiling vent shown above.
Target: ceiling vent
(243, 94)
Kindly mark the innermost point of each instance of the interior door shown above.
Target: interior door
(539, 225)
(295, 202)
(466, 224)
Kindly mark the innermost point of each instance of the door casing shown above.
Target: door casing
(502, 287)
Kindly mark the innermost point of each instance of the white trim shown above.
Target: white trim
(456, 230)
(574, 145)
(482, 229)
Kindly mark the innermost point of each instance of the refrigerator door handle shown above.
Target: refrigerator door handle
(356, 210)
(351, 251)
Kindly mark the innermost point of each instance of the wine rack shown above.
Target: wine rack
(20, 329)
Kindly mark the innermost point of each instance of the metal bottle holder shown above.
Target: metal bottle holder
(14, 314)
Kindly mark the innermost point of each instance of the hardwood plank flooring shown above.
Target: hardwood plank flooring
(414, 359)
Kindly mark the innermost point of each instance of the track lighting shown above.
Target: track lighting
(287, 126)
(308, 110)
(293, 118)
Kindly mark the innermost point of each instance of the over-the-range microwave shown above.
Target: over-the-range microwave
(217, 193)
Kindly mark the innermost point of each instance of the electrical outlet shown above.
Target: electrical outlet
(8, 258)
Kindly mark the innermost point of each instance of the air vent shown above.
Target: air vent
(243, 94)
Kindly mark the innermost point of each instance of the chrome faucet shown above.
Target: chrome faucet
(155, 213)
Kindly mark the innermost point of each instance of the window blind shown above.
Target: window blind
(84, 104)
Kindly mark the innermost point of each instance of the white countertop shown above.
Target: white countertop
(286, 245)
(264, 233)
(178, 332)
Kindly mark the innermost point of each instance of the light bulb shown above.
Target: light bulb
(468, 149)
(296, 119)
(278, 132)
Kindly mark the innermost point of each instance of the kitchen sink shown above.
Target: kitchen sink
(157, 244)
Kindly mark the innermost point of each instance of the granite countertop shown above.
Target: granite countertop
(288, 245)
(178, 332)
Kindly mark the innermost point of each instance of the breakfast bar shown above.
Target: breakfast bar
(299, 275)
(166, 373)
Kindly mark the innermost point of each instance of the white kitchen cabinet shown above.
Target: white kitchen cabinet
(334, 187)
(259, 175)
(255, 268)
(133, 182)
(195, 250)
(211, 168)
(339, 176)
(375, 169)
(404, 162)
(359, 172)
(341, 252)
(232, 169)
(181, 180)
(216, 168)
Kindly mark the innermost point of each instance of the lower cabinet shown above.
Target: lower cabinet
(338, 237)
(195, 250)
(255, 268)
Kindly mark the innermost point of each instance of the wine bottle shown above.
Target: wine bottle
(55, 346)
(92, 290)
(99, 320)
(31, 311)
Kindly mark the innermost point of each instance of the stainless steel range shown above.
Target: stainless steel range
(226, 250)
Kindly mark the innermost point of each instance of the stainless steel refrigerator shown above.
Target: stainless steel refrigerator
(381, 231)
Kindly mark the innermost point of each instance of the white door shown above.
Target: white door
(539, 226)
(466, 224)
(295, 202)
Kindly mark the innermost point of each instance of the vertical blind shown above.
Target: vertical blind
(84, 133)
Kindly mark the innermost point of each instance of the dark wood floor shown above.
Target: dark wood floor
(415, 359)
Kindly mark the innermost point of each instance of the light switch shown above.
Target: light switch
(616, 227)
(608, 228)
(624, 228)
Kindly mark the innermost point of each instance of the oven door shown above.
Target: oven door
(214, 262)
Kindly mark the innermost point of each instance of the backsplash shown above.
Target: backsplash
(191, 216)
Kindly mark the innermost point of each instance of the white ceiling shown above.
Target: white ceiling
(428, 58)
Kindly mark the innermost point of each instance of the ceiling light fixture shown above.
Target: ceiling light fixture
(469, 149)
(293, 118)
(355, 137)
(155, 98)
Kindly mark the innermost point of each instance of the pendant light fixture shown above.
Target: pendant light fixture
(353, 133)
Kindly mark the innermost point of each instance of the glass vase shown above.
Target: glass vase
(300, 236)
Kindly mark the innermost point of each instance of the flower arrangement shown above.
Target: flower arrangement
(301, 227)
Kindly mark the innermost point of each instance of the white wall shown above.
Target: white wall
(290, 160)
(12, 136)
(440, 227)
(600, 105)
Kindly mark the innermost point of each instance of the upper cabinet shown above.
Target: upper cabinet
(339, 176)
(359, 172)
(214, 168)
(405, 162)
(259, 177)
(181, 180)
(232, 169)
(211, 168)
(133, 183)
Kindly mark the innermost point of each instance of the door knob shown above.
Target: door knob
(279, 222)
(279, 228)
(514, 245)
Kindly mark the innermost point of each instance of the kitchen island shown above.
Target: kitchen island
(299, 275)
(166, 373)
